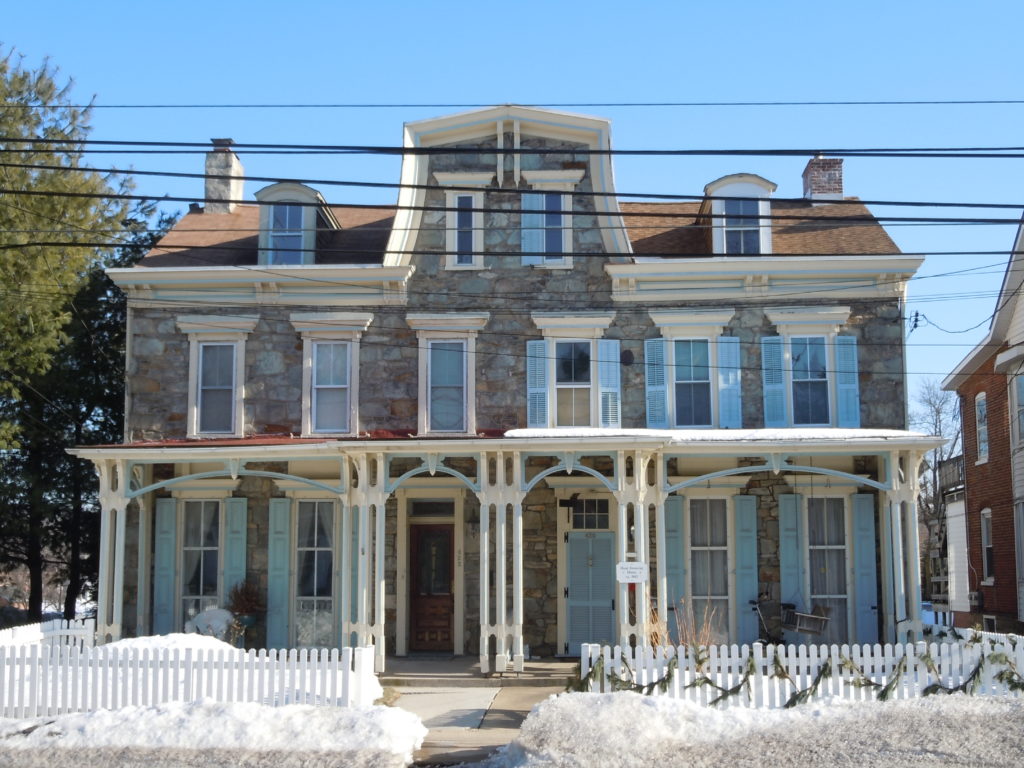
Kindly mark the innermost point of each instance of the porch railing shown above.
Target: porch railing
(39, 680)
(778, 676)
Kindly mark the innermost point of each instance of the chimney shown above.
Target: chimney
(823, 178)
(222, 161)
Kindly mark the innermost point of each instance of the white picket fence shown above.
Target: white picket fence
(856, 672)
(80, 633)
(38, 680)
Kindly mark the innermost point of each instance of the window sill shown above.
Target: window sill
(562, 265)
(989, 582)
(462, 267)
(327, 434)
(979, 462)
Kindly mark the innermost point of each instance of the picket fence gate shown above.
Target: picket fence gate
(713, 674)
(38, 680)
(76, 632)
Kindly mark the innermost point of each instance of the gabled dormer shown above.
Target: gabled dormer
(294, 221)
(737, 211)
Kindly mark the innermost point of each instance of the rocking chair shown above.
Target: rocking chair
(813, 623)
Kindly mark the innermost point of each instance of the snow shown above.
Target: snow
(626, 729)
(817, 434)
(175, 641)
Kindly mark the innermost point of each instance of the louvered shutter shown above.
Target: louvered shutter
(730, 410)
(236, 524)
(532, 230)
(609, 382)
(773, 377)
(745, 516)
(657, 390)
(279, 572)
(675, 561)
(165, 554)
(865, 569)
(537, 384)
(847, 384)
(791, 551)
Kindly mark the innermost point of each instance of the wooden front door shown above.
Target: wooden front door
(431, 602)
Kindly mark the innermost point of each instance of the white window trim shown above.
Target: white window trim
(447, 327)
(988, 579)
(744, 185)
(708, 495)
(851, 584)
(182, 496)
(545, 181)
(802, 322)
(1016, 411)
(312, 204)
(583, 326)
(452, 231)
(330, 327)
(982, 457)
(692, 325)
(293, 570)
(203, 329)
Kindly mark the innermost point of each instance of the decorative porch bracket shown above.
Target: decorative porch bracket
(432, 464)
(568, 462)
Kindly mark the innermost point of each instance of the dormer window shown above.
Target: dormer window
(285, 234)
(547, 220)
(292, 216)
(739, 211)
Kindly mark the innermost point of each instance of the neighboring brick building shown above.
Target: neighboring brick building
(440, 425)
(990, 383)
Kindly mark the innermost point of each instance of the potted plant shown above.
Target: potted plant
(246, 601)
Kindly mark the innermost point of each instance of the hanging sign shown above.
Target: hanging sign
(631, 572)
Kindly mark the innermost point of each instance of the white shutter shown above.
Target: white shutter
(657, 391)
(532, 229)
(773, 377)
(609, 382)
(847, 385)
(537, 384)
(730, 409)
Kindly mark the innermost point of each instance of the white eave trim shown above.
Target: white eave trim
(447, 321)
(186, 277)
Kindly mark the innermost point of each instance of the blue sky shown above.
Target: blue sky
(584, 52)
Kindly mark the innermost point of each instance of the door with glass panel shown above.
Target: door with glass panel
(314, 569)
(826, 545)
(200, 557)
(709, 570)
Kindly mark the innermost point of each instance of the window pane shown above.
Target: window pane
(718, 521)
(572, 362)
(284, 216)
(324, 524)
(323, 573)
(209, 572)
(331, 410)
(331, 367)
(699, 526)
(718, 565)
(216, 410)
(693, 404)
(573, 407)
(217, 367)
(446, 363)
(192, 569)
(211, 525)
(306, 525)
(307, 573)
(810, 402)
(193, 524)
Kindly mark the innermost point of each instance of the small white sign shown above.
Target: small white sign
(631, 572)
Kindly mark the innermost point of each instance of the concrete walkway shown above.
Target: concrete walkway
(469, 715)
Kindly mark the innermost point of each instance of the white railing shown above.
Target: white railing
(77, 632)
(777, 676)
(940, 634)
(36, 680)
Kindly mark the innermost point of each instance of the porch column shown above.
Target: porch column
(378, 585)
(501, 613)
(485, 585)
(659, 540)
(517, 586)
(622, 590)
(912, 544)
(345, 609)
(113, 512)
(143, 607)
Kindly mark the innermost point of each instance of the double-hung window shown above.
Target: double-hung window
(216, 372)
(285, 235)
(742, 229)
(826, 554)
(330, 369)
(464, 240)
(709, 566)
(692, 383)
(314, 568)
(573, 384)
(547, 218)
(988, 563)
(447, 369)
(810, 380)
(981, 426)
(200, 564)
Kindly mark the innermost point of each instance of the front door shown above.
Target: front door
(590, 608)
(431, 603)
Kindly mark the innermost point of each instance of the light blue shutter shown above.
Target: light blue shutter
(773, 378)
(745, 515)
(532, 230)
(278, 572)
(730, 409)
(609, 382)
(791, 551)
(865, 570)
(657, 390)
(602, 589)
(236, 524)
(537, 384)
(165, 535)
(675, 561)
(847, 386)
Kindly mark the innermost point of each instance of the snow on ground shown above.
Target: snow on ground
(371, 736)
(178, 640)
(626, 729)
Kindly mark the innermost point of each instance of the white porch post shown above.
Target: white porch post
(113, 503)
(517, 586)
(378, 587)
(485, 586)
(501, 613)
(912, 546)
(659, 539)
(622, 602)
(346, 570)
(143, 607)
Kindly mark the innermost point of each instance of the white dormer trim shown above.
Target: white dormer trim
(578, 325)
(807, 321)
(312, 203)
(696, 323)
(745, 185)
(554, 180)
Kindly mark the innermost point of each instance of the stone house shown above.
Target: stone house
(443, 425)
(990, 536)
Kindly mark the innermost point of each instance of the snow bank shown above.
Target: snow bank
(213, 725)
(625, 729)
(180, 641)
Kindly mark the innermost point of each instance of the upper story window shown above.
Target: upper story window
(981, 426)
(810, 372)
(988, 562)
(547, 221)
(572, 375)
(739, 216)
(447, 370)
(216, 373)
(1018, 409)
(464, 218)
(292, 218)
(330, 370)
(693, 371)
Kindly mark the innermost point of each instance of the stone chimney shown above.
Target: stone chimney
(823, 178)
(222, 161)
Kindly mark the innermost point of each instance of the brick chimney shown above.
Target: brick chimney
(222, 161)
(823, 178)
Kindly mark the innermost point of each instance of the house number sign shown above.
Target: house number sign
(630, 572)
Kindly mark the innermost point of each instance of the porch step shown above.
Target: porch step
(464, 671)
